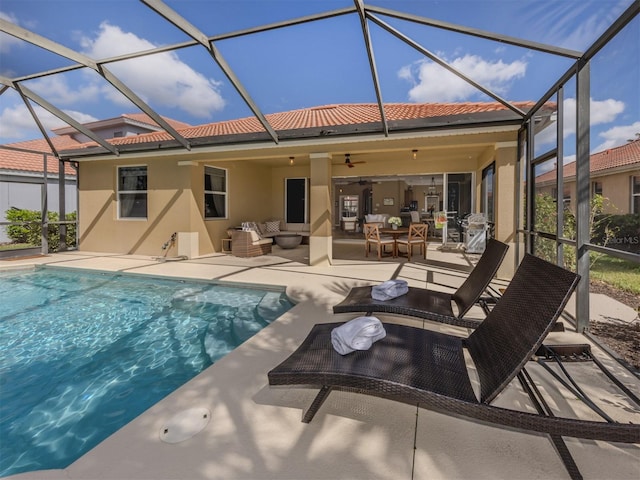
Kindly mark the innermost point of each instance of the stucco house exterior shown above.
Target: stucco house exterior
(134, 201)
(22, 164)
(614, 174)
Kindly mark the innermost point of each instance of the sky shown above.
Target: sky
(317, 63)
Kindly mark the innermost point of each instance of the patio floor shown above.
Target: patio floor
(255, 431)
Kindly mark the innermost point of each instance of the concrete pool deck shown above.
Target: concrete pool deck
(255, 432)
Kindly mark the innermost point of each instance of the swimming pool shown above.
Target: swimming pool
(82, 354)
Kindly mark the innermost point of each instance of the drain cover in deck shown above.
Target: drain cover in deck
(184, 425)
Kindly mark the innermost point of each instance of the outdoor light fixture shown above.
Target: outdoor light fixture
(432, 187)
(291, 160)
(415, 154)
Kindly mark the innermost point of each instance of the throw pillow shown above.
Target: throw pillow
(260, 228)
(273, 227)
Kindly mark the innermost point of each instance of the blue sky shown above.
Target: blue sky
(315, 63)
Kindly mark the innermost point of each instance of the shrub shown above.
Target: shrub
(601, 228)
(30, 229)
(626, 229)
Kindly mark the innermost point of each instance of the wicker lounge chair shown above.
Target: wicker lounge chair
(436, 378)
(430, 304)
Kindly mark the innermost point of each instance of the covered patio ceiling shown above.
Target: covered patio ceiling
(202, 62)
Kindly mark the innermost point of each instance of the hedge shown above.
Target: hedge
(30, 231)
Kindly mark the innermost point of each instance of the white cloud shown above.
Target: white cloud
(601, 112)
(432, 83)
(616, 136)
(7, 42)
(16, 121)
(163, 79)
(57, 90)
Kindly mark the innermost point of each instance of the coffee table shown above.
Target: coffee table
(288, 240)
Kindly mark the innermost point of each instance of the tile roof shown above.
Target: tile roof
(323, 116)
(326, 116)
(627, 154)
(144, 118)
(32, 162)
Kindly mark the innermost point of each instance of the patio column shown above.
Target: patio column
(506, 154)
(320, 250)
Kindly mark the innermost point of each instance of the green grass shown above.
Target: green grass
(618, 273)
(15, 246)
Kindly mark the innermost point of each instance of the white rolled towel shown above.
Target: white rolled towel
(357, 334)
(389, 289)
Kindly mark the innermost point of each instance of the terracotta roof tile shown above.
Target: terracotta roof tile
(616, 157)
(323, 116)
(144, 118)
(627, 154)
(32, 162)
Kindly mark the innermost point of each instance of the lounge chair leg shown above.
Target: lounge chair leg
(558, 442)
(310, 412)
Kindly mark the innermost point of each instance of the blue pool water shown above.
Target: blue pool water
(82, 354)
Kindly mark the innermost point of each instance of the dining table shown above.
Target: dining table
(394, 232)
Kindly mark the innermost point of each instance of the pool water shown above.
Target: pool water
(82, 354)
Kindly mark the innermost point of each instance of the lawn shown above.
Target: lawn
(618, 273)
(15, 246)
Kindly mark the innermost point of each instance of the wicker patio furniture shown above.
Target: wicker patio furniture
(428, 369)
(430, 304)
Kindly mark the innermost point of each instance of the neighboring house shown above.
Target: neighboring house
(614, 174)
(233, 171)
(22, 178)
(125, 125)
(22, 166)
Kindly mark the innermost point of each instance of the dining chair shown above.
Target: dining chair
(417, 237)
(372, 237)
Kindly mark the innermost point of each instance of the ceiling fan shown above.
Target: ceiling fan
(363, 182)
(349, 163)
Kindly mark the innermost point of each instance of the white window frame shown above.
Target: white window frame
(633, 195)
(484, 184)
(594, 187)
(216, 192)
(131, 192)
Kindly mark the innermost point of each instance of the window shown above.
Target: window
(132, 192)
(596, 189)
(635, 194)
(487, 189)
(118, 134)
(566, 200)
(215, 192)
(349, 205)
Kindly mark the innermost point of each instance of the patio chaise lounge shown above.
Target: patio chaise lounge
(430, 304)
(428, 368)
